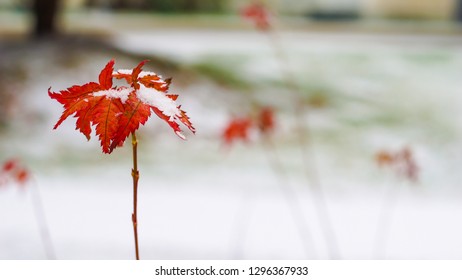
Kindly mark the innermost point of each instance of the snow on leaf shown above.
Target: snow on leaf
(159, 100)
(121, 93)
(116, 112)
(147, 78)
(151, 90)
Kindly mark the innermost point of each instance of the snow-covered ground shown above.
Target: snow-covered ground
(199, 200)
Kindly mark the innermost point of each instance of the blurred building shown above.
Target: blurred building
(327, 9)
(411, 9)
(424, 9)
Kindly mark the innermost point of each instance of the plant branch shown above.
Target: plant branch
(136, 176)
(384, 222)
(242, 224)
(290, 196)
(306, 145)
(42, 222)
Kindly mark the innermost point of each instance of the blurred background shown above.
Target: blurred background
(374, 78)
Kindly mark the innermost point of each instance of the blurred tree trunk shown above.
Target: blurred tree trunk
(190, 6)
(459, 10)
(120, 4)
(45, 17)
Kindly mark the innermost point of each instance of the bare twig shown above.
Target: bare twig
(306, 145)
(136, 176)
(384, 222)
(42, 222)
(290, 196)
(241, 225)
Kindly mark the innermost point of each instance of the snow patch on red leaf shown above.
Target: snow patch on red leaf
(116, 112)
(120, 93)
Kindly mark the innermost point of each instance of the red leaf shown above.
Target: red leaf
(85, 117)
(13, 170)
(148, 79)
(152, 92)
(9, 165)
(74, 99)
(265, 120)
(106, 118)
(22, 176)
(384, 158)
(259, 14)
(93, 104)
(136, 113)
(237, 129)
(105, 77)
(135, 73)
(402, 162)
(117, 112)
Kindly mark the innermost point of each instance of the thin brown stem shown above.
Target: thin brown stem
(136, 176)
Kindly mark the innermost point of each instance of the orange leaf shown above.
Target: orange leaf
(265, 121)
(135, 113)
(105, 77)
(237, 129)
(402, 162)
(106, 118)
(259, 14)
(13, 170)
(116, 112)
(9, 165)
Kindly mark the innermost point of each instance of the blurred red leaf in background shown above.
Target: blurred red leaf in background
(237, 129)
(402, 162)
(14, 171)
(258, 14)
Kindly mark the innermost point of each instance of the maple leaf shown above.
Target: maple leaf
(151, 93)
(9, 165)
(82, 100)
(265, 120)
(147, 78)
(136, 113)
(116, 112)
(384, 158)
(402, 162)
(259, 14)
(237, 129)
(94, 104)
(408, 168)
(12, 170)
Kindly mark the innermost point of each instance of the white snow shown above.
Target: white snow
(123, 72)
(147, 73)
(198, 200)
(159, 100)
(140, 75)
(122, 93)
